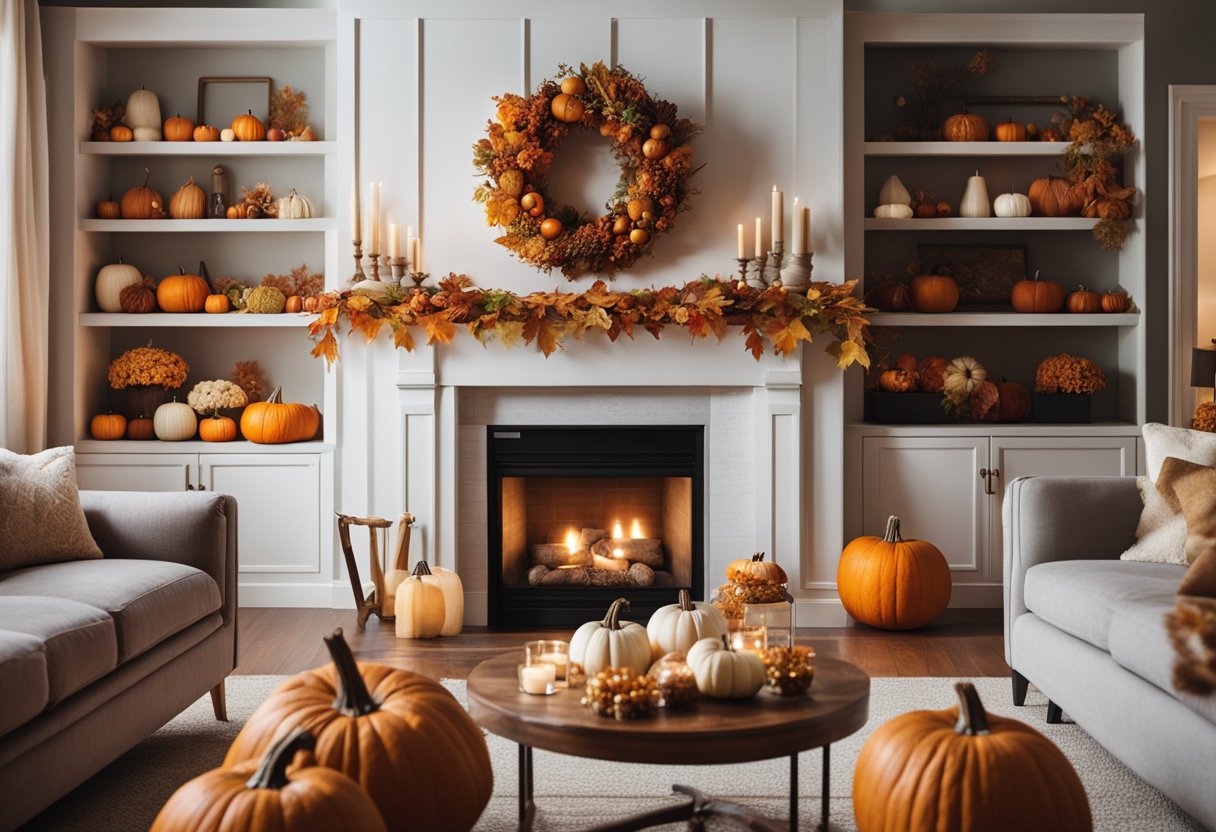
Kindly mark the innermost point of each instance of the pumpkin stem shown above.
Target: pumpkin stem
(726, 642)
(685, 601)
(757, 557)
(612, 620)
(277, 396)
(147, 176)
(892, 533)
(353, 696)
(421, 569)
(272, 771)
(202, 269)
(972, 718)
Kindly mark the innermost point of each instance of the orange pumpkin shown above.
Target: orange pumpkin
(1014, 404)
(188, 203)
(1010, 131)
(934, 293)
(1084, 302)
(108, 209)
(952, 770)
(263, 796)
(142, 202)
(108, 426)
(1116, 301)
(182, 292)
(274, 422)
(567, 108)
(892, 583)
(1052, 196)
(400, 735)
(216, 429)
(248, 128)
(1037, 296)
(239, 211)
(217, 304)
(965, 127)
(141, 428)
(755, 570)
(206, 133)
(898, 381)
(121, 133)
(932, 372)
(178, 129)
(293, 304)
(890, 297)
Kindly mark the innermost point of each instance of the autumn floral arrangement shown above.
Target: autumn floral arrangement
(208, 398)
(1066, 373)
(1094, 165)
(703, 307)
(148, 367)
(650, 141)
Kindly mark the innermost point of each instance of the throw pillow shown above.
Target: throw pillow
(1192, 629)
(1161, 532)
(1161, 441)
(1197, 495)
(41, 520)
(1173, 470)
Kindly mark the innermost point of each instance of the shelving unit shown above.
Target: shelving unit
(170, 226)
(956, 149)
(1018, 224)
(143, 149)
(164, 319)
(986, 319)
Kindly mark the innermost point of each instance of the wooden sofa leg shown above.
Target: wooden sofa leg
(1054, 713)
(1020, 685)
(218, 703)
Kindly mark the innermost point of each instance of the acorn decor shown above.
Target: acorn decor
(621, 693)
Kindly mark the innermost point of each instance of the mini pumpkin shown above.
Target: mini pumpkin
(294, 207)
(293, 304)
(962, 377)
(723, 673)
(174, 422)
(932, 372)
(934, 293)
(239, 211)
(611, 643)
(206, 133)
(274, 421)
(1115, 301)
(892, 583)
(755, 570)
(110, 282)
(248, 128)
(217, 429)
(141, 429)
(108, 426)
(217, 304)
(188, 203)
(655, 148)
(139, 298)
(567, 108)
(1012, 205)
(890, 297)
(108, 209)
(1083, 302)
(678, 626)
(965, 127)
(1010, 131)
(121, 133)
(178, 129)
(898, 381)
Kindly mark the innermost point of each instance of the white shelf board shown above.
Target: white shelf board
(155, 446)
(965, 148)
(1034, 429)
(208, 148)
(980, 224)
(199, 319)
(168, 226)
(1062, 319)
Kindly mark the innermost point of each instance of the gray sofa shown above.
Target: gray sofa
(1088, 630)
(95, 655)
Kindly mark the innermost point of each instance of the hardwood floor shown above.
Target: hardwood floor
(286, 641)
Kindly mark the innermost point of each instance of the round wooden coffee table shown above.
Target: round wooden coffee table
(711, 732)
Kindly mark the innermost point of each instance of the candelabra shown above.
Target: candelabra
(358, 275)
(375, 256)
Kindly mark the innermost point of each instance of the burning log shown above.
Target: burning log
(610, 564)
(639, 574)
(554, 555)
(590, 536)
(647, 550)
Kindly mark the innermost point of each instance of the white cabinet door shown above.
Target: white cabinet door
(933, 485)
(135, 472)
(1047, 456)
(279, 507)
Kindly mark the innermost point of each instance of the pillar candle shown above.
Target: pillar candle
(741, 254)
(759, 240)
(355, 223)
(373, 194)
(410, 244)
(796, 222)
(778, 221)
(810, 243)
(417, 254)
(394, 240)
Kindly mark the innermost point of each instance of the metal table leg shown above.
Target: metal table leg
(527, 806)
(824, 813)
(794, 792)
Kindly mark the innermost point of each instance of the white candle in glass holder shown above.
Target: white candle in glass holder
(537, 678)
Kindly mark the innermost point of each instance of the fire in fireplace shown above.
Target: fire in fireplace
(582, 515)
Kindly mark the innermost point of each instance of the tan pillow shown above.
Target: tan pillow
(1197, 494)
(41, 520)
(1161, 532)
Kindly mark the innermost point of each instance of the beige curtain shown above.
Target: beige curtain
(24, 221)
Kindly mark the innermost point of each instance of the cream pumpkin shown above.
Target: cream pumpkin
(174, 422)
(611, 643)
(678, 626)
(449, 584)
(963, 376)
(419, 607)
(723, 673)
(893, 212)
(111, 280)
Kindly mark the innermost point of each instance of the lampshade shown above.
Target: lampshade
(1203, 366)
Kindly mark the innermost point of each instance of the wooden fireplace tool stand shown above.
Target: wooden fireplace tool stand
(376, 601)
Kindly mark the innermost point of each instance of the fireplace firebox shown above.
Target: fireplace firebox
(580, 515)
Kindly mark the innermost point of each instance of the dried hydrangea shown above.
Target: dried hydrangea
(148, 366)
(209, 397)
(1205, 417)
(250, 377)
(1066, 373)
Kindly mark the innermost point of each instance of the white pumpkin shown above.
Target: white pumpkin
(174, 422)
(975, 198)
(453, 595)
(111, 280)
(893, 192)
(677, 627)
(723, 673)
(611, 643)
(419, 607)
(227, 135)
(143, 110)
(1011, 205)
(294, 207)
(962, 376)
(147, 134)
(893, 212)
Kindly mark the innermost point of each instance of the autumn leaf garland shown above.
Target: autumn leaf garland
(703, 307)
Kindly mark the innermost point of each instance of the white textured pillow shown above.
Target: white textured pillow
(41, 520)
(1161, 441)
(1161, 533)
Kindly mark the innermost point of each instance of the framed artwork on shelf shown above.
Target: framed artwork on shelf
(236, 101)
(985, 274)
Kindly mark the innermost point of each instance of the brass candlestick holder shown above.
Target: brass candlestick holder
(419, 278)
(359, 275)
(375, 265)
(398, 265)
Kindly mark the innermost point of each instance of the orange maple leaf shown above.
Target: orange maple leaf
(402, 338)
(439, 330)
(786, 335)
(327, 347)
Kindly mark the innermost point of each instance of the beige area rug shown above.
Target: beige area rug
(573, 793)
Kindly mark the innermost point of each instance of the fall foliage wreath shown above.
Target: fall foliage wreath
(650, 142)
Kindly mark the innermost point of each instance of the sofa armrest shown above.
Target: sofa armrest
(1063, 518)
(193, 528)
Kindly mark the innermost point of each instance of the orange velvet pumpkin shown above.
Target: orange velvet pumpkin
(141, 428)
(934, 293)
(266, 798)
(273, 421)
(182, 293)
(216, 429)
(108, 426)
(954, 770)
(892, 583)
(248, 128)
(178, 129)
(139, 298)
(755, 570)
(1052, 196)
(400, 735)
(1037, 296)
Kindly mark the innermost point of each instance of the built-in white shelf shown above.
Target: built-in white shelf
(168, 226)
(198, 319)
(983, 224)
(965, 148)
(155, 446)
(208, 148)
(1003, 319)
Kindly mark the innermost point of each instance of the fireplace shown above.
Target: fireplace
(579, 516)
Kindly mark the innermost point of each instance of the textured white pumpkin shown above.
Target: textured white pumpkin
(893, 192)
(143, 110)
(419, 607)
(611, 643)
(722, 673)
(677, 627)
(147, 134)
(975, 198)
(111, 280)
(294, 207)
(893, 212)
(227, 135)
(962, 376)
(174, 422)
(1011, 205)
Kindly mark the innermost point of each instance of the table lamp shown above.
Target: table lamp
(1203, 366)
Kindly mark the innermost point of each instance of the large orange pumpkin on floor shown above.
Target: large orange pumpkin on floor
(400, 735)
(959, 769)
(274, 421)
(264, 797)
(892, 583)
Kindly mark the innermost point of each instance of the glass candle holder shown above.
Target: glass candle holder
(777, 618)
(537, 679)
(548, 652)
(749, 639)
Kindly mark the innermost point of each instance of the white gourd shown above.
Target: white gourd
(419, 607)
(111, 280)
(611, 643)
(893, 212)
(677, 627)
(227, 135)
(975, 198)
(174, 422)
(893, 192)
(143, 110)
(147, 134)
(1011, 205)
(723, 673)
(294, 207)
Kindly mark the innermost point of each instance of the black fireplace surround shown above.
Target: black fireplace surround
(657, 469)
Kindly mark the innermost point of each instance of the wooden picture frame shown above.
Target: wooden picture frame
(985, 274)
(232, 79)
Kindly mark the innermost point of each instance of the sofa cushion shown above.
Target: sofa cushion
(1078, 595)
(23, 680)
(149, 600)
(42, 520)
(78, 639)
